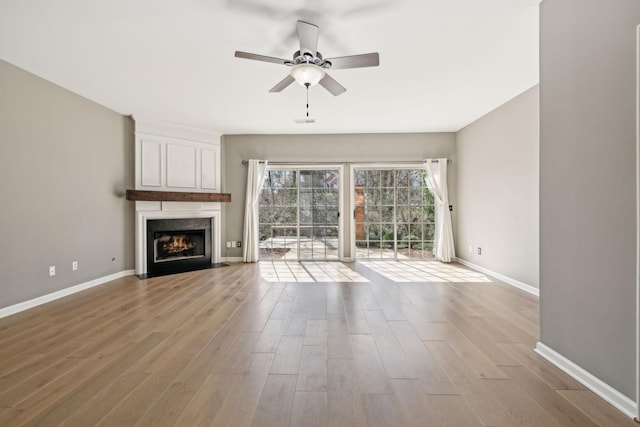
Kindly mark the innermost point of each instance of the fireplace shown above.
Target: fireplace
(161, 217)
(178, 244)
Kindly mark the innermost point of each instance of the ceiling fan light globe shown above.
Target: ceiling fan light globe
(307, 74)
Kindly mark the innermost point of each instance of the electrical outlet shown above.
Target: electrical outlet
(470, 248)
(74, 266)
(52, 270)
(238, 244)
(228, 244)
(479, 250)
(233, 243)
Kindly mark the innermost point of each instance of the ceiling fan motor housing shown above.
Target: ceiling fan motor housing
(308, 58)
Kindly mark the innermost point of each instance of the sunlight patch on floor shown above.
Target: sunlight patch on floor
(308, 271)
(333, 272)
(423, 271)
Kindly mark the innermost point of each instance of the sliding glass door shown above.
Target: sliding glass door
(299, 214)
(393, 213)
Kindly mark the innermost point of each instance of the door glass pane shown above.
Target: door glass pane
(278, 216)
(387, 179)
(306, 242)
(387, 214)
(402, 178)
(403, 196)
(323, 204)
(306, 179)
(387, 196)
(332, 242)
(299, 215)
(373, 179)
(394, 214)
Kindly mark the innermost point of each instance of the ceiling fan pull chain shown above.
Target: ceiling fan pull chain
(307, 85)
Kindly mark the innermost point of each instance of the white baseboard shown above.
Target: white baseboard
(232, 259)
(596, 385)
(240, 259)
(25, 305)
(508, 280)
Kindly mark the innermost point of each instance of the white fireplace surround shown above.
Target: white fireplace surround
(146, 211)
(176, 158)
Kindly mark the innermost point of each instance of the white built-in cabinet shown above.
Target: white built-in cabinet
(176, 158)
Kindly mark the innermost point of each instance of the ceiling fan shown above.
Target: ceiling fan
(308, 67)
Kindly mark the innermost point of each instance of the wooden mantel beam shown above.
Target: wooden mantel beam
(177, 196)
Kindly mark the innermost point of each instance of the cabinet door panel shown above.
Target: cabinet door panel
(209, 164)
(181, 166)
(151, 166)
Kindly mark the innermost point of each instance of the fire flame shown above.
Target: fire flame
(178, 244)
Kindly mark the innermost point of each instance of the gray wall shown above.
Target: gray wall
(321, 148)
(498, 189)
(64, 164)
(587, 185)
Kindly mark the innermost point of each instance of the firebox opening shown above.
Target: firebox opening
(178, 245)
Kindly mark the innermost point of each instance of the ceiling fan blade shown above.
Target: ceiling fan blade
(331, 85)
(283, 84)
(262, 58)
(308, 35)
(355, 61)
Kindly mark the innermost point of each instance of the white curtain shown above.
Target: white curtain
(437, 182)
(255, 179)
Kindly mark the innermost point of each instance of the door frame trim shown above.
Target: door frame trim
(637, 223)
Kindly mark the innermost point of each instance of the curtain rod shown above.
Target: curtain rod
(246, 162)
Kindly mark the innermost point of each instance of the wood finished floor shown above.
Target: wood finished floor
(225, 347)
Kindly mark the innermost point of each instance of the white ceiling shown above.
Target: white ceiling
(443, 63)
